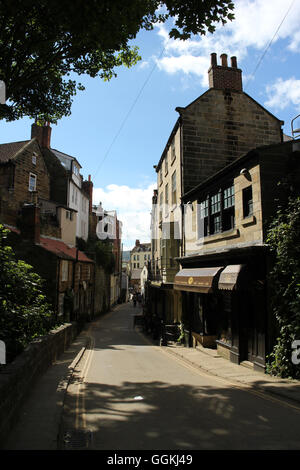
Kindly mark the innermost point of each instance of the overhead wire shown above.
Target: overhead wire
(271, 41)
(130, 110)
(151, 73)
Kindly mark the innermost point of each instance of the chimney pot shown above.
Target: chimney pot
(233, 62)
(213, 59)
(224, 60)
(42, 134)
(225, 78)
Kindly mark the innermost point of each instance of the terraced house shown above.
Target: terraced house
(35, 206)
(213, 131)
(223, 279)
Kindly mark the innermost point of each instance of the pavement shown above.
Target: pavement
(209, 361)
(39, 423)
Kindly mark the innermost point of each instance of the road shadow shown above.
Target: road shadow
(159, 416)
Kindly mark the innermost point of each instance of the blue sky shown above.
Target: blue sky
(118, 129)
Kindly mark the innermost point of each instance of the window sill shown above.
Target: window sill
(223, 344)
(250, 220)
(235, 233)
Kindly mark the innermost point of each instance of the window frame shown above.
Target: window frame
(174, 191)
(247, 203)
(217, 211)
(35, 182)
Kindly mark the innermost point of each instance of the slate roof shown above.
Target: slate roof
(10, 150)
(142, 247)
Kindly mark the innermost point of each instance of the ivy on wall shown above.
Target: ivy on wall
(284, 242)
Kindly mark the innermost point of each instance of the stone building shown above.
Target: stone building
(223, 277)
(34, 203)
(214, 130)
(140, 255)
(24, 179)
(68, 273)
(66, 182)
(105, 227)
(23, 175)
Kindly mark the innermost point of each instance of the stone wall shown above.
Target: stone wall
(14, 180)
(219, 127)
(17, 378)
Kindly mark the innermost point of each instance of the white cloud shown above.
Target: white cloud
(133, 206)
(187, 64)
(294, 45)
(284, 93)
(255, 24)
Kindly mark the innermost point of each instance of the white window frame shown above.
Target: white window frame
(32, 175)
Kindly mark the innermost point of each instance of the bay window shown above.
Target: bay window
(216, 212)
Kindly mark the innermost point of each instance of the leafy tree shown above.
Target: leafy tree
(284, 241)
(24, 313)
(45, 44)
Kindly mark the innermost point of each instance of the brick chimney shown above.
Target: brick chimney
(42, 133)
(30, 223)
(137, 243)
(223, 77)
(88, 188)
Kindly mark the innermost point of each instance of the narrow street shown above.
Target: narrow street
(129, 394)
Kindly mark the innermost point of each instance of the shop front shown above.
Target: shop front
(199, 304)
(224, 307)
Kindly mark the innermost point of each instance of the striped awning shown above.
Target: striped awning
(197, 279)
(230, 278)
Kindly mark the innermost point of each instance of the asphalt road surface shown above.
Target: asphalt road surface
(129, 394)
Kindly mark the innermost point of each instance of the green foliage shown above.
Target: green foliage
(284, 242)
(105, 256)
(45, 45)
(24, 313)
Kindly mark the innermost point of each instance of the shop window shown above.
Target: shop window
(247, 202)
(225, 331)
